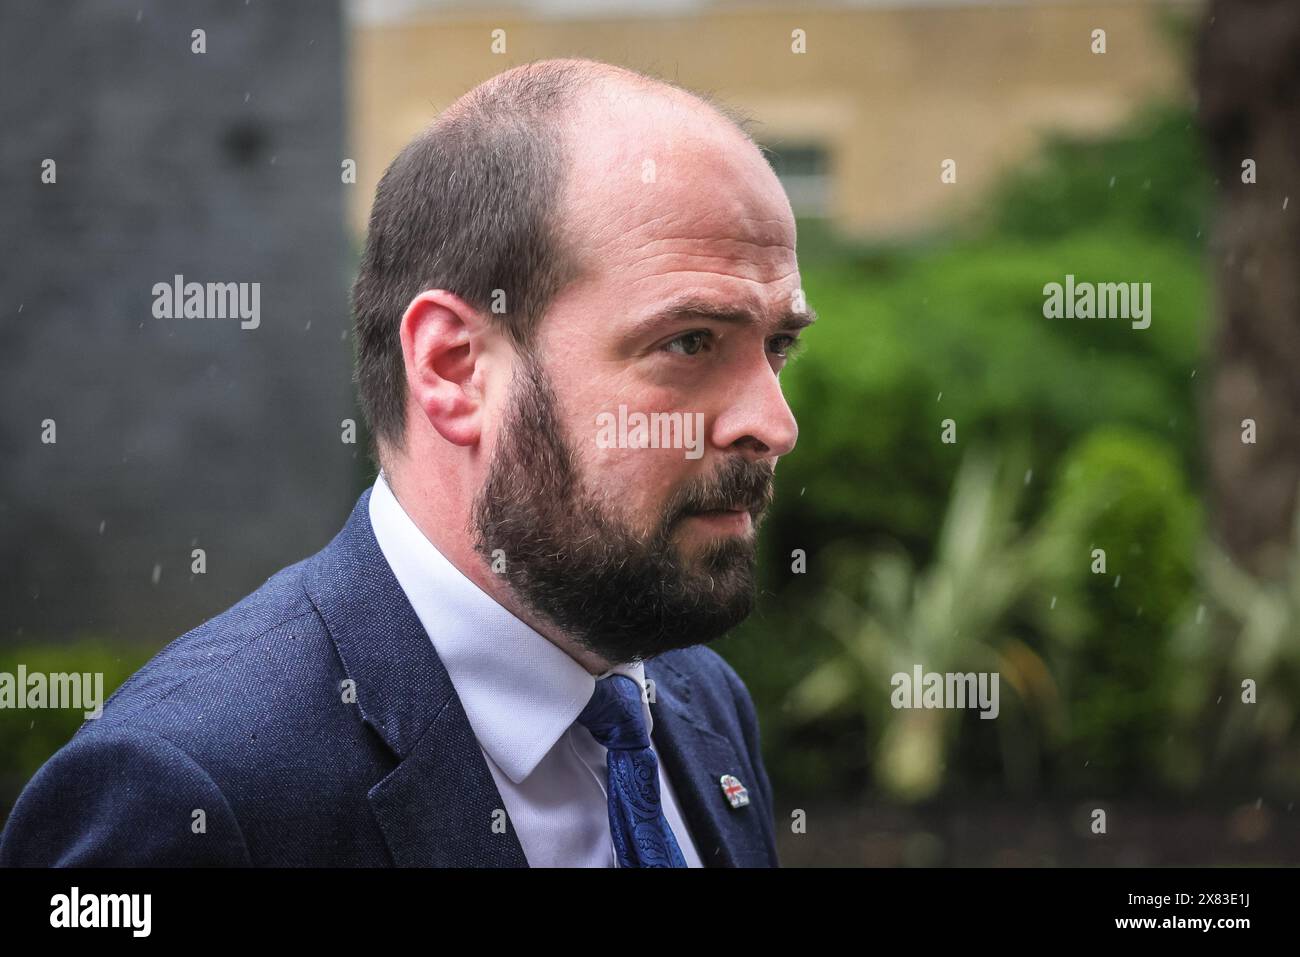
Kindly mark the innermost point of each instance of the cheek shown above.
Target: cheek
(635, 481)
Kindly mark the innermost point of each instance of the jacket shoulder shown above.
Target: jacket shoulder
(219, 656)
(242, 718)
(120, 796)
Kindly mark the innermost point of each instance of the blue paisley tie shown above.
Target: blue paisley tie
(642, 837)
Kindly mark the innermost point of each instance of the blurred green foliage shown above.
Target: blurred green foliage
(1094, 421)
(961, 613)
(1148, 179)
(1121, 533)
(1240, 643)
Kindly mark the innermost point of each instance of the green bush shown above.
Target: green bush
(959, 333)
(1149, 178)
(912, 335)
(1121, 531)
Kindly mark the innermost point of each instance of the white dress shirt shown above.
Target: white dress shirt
(522, 695)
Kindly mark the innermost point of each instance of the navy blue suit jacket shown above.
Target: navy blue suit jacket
(244, 719)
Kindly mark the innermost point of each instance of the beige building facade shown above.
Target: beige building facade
(861, 103)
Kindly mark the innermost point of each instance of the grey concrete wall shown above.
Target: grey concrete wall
(171, 433)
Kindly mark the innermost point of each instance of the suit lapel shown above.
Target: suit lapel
(695, 758)
(436, 807)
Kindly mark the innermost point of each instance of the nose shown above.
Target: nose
(756, 419)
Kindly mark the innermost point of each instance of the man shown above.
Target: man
(500, 659)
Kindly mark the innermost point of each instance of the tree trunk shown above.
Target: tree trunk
(1248, 77)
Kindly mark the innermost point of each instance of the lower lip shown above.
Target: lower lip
(735, 522)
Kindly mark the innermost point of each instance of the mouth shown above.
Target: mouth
(733, 520)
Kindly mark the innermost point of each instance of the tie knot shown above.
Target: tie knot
(613, 715)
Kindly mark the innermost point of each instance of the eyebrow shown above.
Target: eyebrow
(693, 307)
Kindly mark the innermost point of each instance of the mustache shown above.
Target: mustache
(741, 484)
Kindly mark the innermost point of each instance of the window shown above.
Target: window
(804, 171)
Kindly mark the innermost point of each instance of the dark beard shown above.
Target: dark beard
(622, 595)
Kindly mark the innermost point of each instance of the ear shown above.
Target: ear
(442, 338)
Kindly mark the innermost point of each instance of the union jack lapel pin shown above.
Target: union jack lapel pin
(736, 794)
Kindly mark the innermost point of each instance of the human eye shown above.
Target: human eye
(690, 343)
(785, 346)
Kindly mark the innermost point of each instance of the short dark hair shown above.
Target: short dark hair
(468, 206)
(471, 205)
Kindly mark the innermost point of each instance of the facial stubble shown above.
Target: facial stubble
(620, 591)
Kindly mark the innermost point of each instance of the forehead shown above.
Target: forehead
(663, 197)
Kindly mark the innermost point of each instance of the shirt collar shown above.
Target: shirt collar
(520, 691)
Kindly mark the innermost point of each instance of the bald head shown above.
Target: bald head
(498, 199)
